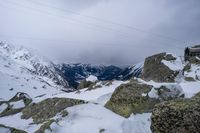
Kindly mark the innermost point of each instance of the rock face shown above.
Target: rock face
(135, 97)
(131, 98)
(15, 104)
(177, 116)
(155, 70)
(192, 69)
(48, 108)
(85, 84)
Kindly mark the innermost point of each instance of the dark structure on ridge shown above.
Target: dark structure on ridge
(192, 52)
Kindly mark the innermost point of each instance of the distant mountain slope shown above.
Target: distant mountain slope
(20, 70)
(74, 73)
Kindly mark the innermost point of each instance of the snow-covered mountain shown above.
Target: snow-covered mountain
(32, 95)
(74, 73)
(21, 70)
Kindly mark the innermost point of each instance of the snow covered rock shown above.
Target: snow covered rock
(15, 104)
(92, 78)
(160, 68)
(169, 91)
(138, 97)
(192, 72)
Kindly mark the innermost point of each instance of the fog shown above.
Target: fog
(116, 32)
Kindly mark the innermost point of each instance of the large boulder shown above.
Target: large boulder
(131, 98)
(177, 116)
(154, 69)
(136, 97)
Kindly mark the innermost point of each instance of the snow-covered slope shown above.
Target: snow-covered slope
(21, 71)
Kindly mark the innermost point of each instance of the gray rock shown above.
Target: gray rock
(155, 70)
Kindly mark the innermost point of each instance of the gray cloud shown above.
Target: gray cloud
(88, 33)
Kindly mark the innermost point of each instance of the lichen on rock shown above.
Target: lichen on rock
(128, 98)
(47, 108)
(177, 116)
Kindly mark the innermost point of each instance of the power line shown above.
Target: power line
(74, 20)
(111, 22)
(71, 19)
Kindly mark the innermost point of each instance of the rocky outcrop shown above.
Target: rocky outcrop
(10, 106)
(48, 108)
(131, 98)
(177, 116)
(45, 126)
(157, 71)
(136, 97)
(85, 84)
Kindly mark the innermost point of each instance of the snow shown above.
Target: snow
(153, 93)
(139, 123)
(92, 78)
(16, 122)
(16, 65)
(94, 95)
(194, 72)
(190, 88)
(87, 118)
(18, 104)
(175, 65)
(137, 67)
(91, 118)
(4, 130)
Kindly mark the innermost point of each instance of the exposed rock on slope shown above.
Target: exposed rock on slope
(156, 70)
(177, 116)
(131, 98)
(15, 104)
(48, 108)
(192, 70)
(136, 97)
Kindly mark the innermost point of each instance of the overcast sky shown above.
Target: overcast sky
(101, 31)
